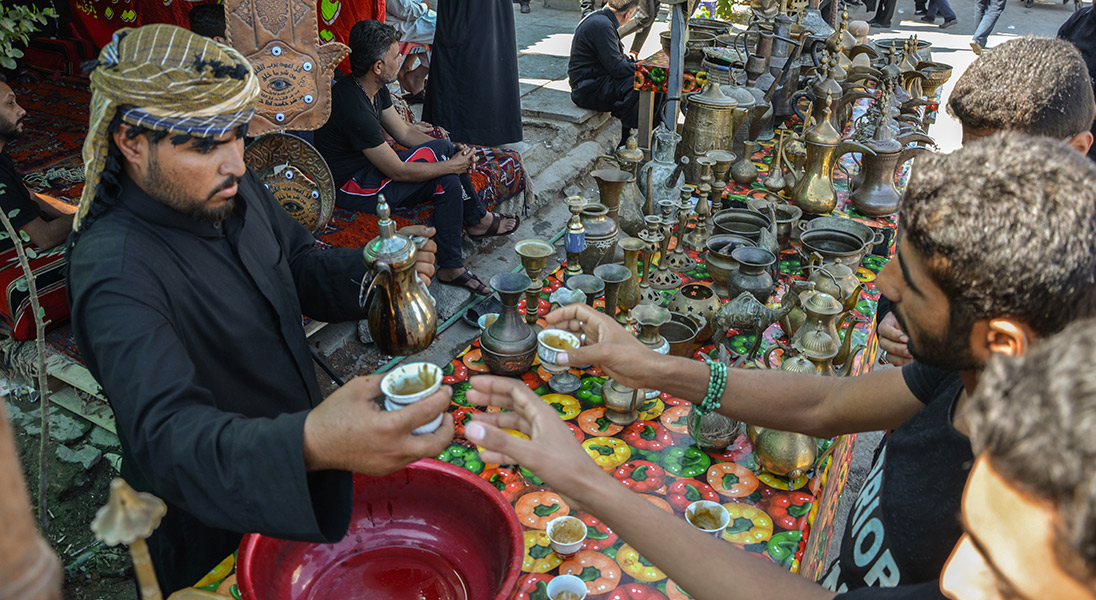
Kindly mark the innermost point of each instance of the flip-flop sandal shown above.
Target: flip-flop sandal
(468, 281)
(488, 305)
(496, 224)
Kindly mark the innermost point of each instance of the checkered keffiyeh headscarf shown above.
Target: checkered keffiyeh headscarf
(165, 78)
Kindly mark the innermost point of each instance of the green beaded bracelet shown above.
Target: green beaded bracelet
(717, 382)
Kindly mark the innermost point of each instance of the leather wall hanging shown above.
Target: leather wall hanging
(281, 39)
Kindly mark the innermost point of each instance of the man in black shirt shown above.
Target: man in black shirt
(363, 165)
(1031, 205)
(187, 283)
(601, 75)
(1080, 28)
(46, 221)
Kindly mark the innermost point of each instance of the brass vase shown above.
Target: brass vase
(744, 171)
(629, 290)
(601, 235)
(509, 344)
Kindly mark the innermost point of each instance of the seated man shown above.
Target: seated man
(601, 75)
(1035, 85)
(1027, 529)
(416, 22)
(431, 170)
(47, 221)
(961, 302)
(187, 282)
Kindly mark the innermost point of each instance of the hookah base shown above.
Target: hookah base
(650, 295)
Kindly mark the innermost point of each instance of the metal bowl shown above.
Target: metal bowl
(740, 221)
(868, 235)
(832, 244)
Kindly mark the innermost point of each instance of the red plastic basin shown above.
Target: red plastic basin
(431, 531)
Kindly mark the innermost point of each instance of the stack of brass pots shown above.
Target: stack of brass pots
(509, 344)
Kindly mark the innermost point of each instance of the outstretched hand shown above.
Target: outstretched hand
(608, 345)
(551, 450)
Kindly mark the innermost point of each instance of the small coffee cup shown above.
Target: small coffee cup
(566, 535)
(707, 516)
(566, 587)
(412, 382)
(553, 342)
(430, 427)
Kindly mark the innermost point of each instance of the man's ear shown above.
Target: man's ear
(134, 149)
(1008, 336)
(1081, 142)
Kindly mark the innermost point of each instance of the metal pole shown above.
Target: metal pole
(677, 65)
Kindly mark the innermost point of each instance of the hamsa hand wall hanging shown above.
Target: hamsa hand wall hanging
(281, 40)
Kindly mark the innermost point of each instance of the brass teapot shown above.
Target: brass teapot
(836, 279)
(820, 332)
(814, 191)
(400, 311)
(711, 120)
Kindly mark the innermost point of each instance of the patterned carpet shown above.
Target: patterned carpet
(48, 154)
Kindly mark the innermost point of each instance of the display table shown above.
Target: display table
(789, 522)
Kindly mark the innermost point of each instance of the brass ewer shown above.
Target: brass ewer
(509, 345)
(622, 182)
(814, 191)
(534, 255)
(400, 311)
(820, 332)
(873, 191)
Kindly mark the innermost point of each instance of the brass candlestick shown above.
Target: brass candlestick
(723, 161)
(652, 236)
(534, 255)
(678, 261)
(628, 296)
(129, 517)
(699, 235)
(664, 278)
(576, 237)
(613, 276)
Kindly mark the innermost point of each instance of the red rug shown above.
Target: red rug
(48, 154)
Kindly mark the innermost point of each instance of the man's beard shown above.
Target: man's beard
(9, 130)
(949, 349)
(159, 187)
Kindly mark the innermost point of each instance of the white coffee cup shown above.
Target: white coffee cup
(556, 528)
(412, 382)
(566, 583)
(430, 427)
(714, 510)
(549, 352)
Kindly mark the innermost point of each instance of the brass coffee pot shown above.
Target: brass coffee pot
(826, 91)
(873, 190)
(814, 191)
(711, 119)
(820, 332)
(400, 311)
(837, 280)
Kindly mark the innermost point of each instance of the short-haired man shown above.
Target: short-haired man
(1031, 205)
(47, 221)
(363, 165)
(187, 282)
(1028, 507)
(601, 75)
(208, 20)
(1034, 85)
(1028, 532)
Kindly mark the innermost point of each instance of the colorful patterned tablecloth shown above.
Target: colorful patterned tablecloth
(789, 522)
(651, 75)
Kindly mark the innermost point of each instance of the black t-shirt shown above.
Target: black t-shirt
(905, 521)
(354, 125)
(15, 196)
(1080, 28)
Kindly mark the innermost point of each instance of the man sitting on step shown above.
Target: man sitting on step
(601, 75)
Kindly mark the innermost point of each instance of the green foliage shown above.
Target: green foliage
(726, 10)
(17, 23)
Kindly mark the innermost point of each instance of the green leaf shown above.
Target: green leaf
(539, 552)
(800, 510)
(544, 510)
(13, 213)
(24, 235)
(4, 236)
(691, 493)
(41, 312)
(31, 253)
(7, 63)
(21, 284)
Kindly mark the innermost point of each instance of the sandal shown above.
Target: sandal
(488, 305)
(468, 281)
(496, 224)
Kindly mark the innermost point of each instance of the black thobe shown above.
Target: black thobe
(473, 86)
(194, 332)
(601, 75)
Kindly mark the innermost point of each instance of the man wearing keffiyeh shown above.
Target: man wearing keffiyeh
(187, 283)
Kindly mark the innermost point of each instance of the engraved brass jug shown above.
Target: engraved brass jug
(814, 191)
(873, 190)
(710, 122)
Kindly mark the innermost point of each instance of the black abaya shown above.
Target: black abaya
(473, 86)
